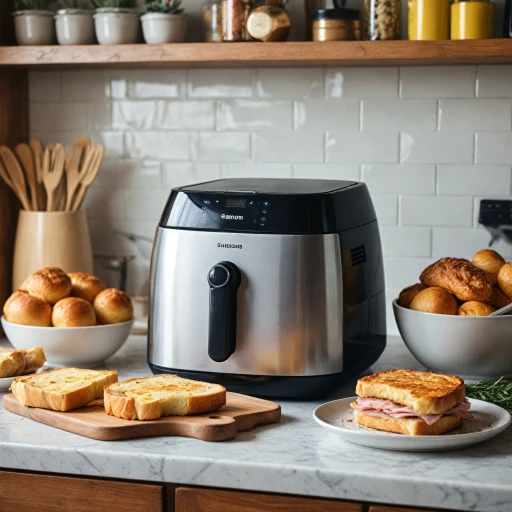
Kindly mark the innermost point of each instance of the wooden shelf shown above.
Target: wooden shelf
(295, 54)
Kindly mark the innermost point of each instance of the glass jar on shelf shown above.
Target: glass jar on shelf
(226, 20)
(381, 19)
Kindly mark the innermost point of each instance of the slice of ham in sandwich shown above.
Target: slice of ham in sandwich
(389, 409)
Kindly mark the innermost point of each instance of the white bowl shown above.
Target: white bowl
(84, 347)
(474, 347)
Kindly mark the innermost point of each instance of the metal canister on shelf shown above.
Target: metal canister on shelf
(381, 19)
(429, 20)
(472, 19)
(226, 20)
(268, 23)
(336, 25)
(212, 22)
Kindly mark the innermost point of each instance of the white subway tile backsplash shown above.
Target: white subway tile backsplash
(185, 115)
(459, 242)
(257, 170)
(102, 203)
(145, 205)
(361, 83)
(436, 211)
(436, 147)
(254, 115)
(305, 83)
(495, 81)
(399, 115)
(157, 145)
(221, 83)
(494, 148)
(349, 172)
(113, 142)
(84, 86)
(218, 147)
(288, 147)
(386, 208)
(44, 86)
(131, 114)
(151, 84)
(177, 174)
(70, 116)
(362, 147)
(402, 272)
(470, 180)
(129, 174)
(99, 116)
(438, 82)
(326, 115)
(400, 178)
(398, 241)
(474, 115)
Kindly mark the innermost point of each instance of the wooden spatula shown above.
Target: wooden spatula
(53, 170)
(93, 167)
(73, 168)
(26, 158)
(15, 173)
(38, 151)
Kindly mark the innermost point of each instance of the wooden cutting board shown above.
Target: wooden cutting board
(240, 413)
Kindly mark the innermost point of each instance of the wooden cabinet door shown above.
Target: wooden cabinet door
(31, 492)
(382, 508)
(209, 500)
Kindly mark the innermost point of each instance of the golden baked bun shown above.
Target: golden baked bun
(73, 312)
(490, 262)
(505, 280)
(21, 308)
(85, 286)
(113, 306)
(475, 308)
(407, 294)
(499, 299)
(50, 284)
(435, 300)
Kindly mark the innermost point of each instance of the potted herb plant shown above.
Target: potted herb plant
(116, 21)
(33, 22)
(74, 22)
(164, 22)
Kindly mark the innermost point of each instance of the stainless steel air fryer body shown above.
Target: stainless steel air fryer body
(271, 287)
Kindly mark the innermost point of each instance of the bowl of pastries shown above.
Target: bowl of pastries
(74, 317)
(444, 319)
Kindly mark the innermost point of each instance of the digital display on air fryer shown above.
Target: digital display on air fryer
(237, 203)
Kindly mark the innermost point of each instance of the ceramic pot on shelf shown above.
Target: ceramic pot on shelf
(34, 28)
(75, 26)
(51, 239)
(117, 26)
(162, 28)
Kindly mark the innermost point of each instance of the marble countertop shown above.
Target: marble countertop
(295, 456)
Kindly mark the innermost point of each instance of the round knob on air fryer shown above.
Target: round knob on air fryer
(224, 274)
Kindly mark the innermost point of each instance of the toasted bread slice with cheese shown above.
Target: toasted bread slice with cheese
(152, 397)
(425, 392)
(409, 426)
(20, 362)
(62, 389)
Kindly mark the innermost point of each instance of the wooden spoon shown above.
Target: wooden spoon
(26, 158)
(92, 171)
(38, 151)
(53, 170)
(13, 169)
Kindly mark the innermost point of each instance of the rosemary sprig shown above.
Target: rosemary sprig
(498, 392)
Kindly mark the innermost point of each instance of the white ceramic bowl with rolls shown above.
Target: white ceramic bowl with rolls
(473, 347)
(82, 347)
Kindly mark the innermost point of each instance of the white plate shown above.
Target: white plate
(6, 382)
(489, 421)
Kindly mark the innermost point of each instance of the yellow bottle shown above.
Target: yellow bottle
(472, 19)
(429, 20)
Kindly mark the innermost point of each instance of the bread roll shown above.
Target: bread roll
(85, 286)
(490, 262)
(22, 308)
(460, 277)
(73, 312)
(505, 280)
(475, 308)
(435, 300)
(499, 299)
(50, 284)
(113, 306)
(407, 294)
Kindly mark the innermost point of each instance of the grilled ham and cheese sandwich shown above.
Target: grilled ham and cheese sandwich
(410, 402)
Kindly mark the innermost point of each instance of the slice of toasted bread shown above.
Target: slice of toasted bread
(20, 362)
(425, 392)
(152, 397)
(62, 389)
(409, 426)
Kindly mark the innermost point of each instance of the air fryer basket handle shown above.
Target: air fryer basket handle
(224, 279)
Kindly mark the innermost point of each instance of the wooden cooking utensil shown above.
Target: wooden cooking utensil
(74, 172)
(53, 170)
(38, 151)
(92, 171)
(26, 158)
(13, 169)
